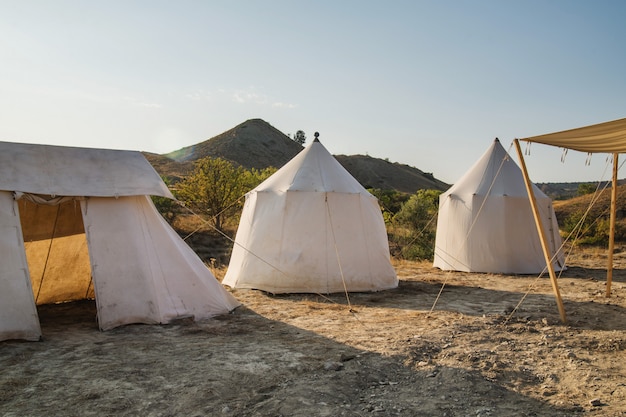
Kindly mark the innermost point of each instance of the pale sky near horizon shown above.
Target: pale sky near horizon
(425, 83)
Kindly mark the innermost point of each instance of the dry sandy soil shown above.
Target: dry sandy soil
(378, 354)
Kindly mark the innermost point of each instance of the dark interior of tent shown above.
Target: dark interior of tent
(56, 251)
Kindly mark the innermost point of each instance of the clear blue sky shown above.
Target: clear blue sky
(426, 83)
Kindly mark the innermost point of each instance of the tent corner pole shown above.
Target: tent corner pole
(609, 268)
(542, 235)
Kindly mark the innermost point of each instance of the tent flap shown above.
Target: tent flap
(18, 314)
(143, 271)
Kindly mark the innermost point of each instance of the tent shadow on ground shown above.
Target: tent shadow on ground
(477, 301)
(598, 274)
(240, 364)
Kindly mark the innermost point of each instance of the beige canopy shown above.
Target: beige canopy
(608, 137)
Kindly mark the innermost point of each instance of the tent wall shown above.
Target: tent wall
(485, 220)
(143, 271)
(311, 242)
(18, 314)
(492, 236)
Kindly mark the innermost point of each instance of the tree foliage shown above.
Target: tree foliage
(165, 206)
(390, 201)
(216, 187)
(300, 137)
(591, 230)
(586, 188)
(418, 216)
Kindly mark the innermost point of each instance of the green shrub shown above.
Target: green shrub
(591, 231)
(416, 225)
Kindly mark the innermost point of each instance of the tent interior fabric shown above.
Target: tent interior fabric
(311, 228)
(78, 223)
(485, 221)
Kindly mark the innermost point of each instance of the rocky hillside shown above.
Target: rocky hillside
(252, 144)
(257, 144)
(380, 173)
(600, 207)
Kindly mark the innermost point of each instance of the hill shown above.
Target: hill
(601, 208)
(167, 167)
(567, 190)
(251, 144)
(257, 144)
(380, 173)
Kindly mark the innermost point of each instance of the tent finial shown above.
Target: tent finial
(316, 134)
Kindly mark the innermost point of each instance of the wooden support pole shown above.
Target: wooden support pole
(542, 236)
(609, 268)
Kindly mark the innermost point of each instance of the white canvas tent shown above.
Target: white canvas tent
(77, 223)
(608, 137)
(485, 221)
(311, 228)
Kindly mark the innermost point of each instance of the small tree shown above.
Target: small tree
(214, 187)
(390, 201)
(299, 137)
(586, 188)
(254, 176)
(418, 217)
(165, 206)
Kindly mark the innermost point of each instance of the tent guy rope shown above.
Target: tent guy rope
(208, 223)
(469, 231)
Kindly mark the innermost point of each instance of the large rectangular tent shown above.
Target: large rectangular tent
(79, 223)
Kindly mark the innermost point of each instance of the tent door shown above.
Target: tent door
(56, 250)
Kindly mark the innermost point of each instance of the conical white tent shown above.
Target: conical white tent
(311, 228)
(485, 221)
(78, 223)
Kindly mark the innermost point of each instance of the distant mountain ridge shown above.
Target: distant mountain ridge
(257, 144)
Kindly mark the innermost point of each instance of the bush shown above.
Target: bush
(416, 225)
(390, 202)
(591, 231)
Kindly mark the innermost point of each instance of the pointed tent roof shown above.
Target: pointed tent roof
(495, 173)
(313, 169)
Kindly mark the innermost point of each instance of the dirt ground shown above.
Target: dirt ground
(477, 353)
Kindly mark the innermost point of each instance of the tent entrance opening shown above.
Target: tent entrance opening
(56, 251)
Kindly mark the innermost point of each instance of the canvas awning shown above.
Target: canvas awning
(608, 137)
